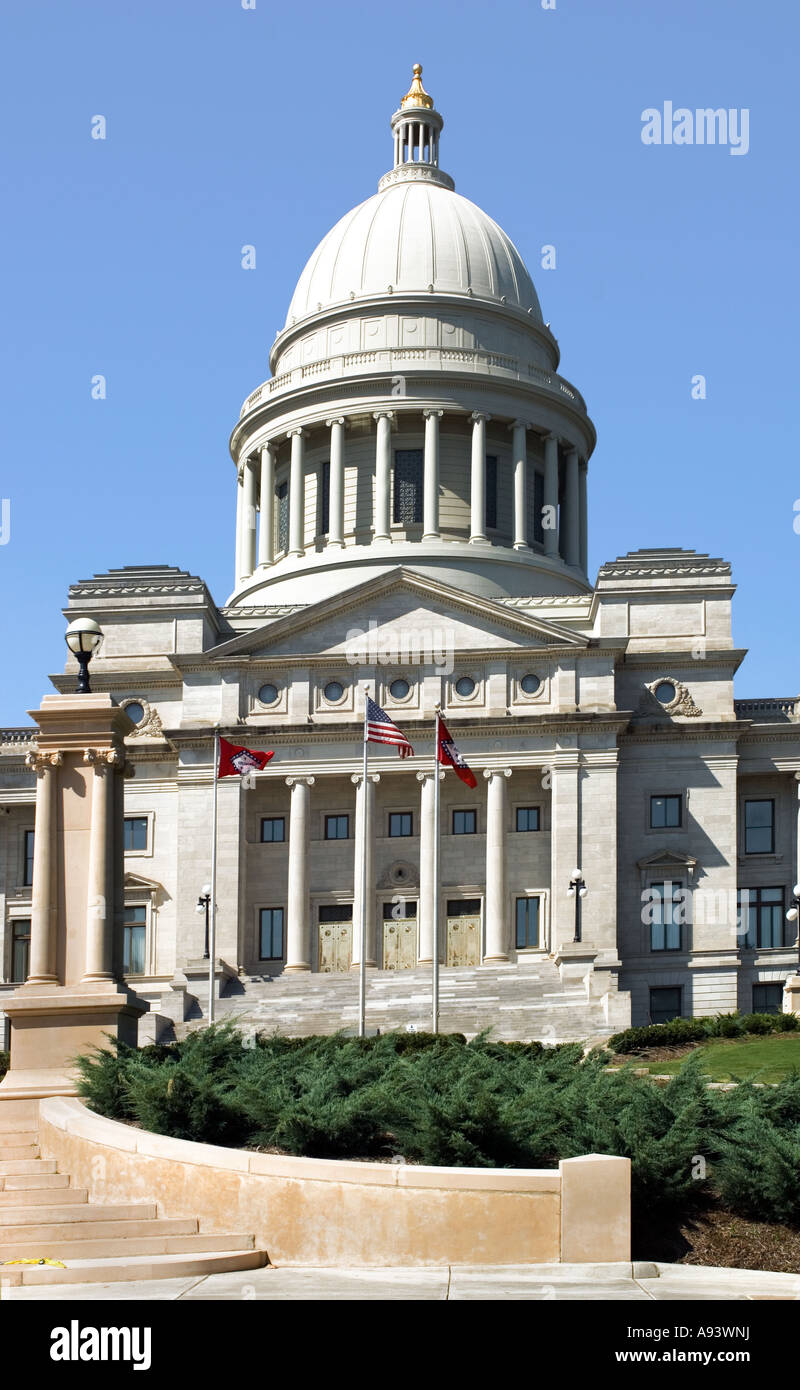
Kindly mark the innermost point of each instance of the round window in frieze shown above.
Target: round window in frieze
(399, 690)
(665, 692)
(134, 711)
(334, 692)
(141, 713)
(268, 694)
(465, 686)
(531, 684)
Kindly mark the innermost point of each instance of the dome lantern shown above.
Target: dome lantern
(416, 127)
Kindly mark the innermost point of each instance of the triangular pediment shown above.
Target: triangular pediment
(399, 610)
(668, 859)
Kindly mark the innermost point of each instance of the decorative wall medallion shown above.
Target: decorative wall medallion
(679, 701)
(148, 724)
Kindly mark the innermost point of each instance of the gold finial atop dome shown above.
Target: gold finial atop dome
(416, 94)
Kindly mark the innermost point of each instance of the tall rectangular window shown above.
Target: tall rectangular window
(665, 927)
(20, 949)
(324, 506)
(337, 827)
(465, 822)
(282, 494)
(408, 473)
(665, 812)
(270, 933)
(135, 833)
(527, 818)
(273, 830)
(491, 492)
(27, 870)
(400, 823)
(538, 507)
(665, 1004)
(527, 923)
(133, 940)
(760, 922)
(759, 827)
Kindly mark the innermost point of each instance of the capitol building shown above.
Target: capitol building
(411, 494)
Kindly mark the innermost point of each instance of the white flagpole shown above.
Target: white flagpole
(435, 1002)
(212, 934)
(362, 964)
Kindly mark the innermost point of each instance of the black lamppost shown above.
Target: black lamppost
(203, 905)
(793, 914)
(83, 637)
(577, 890)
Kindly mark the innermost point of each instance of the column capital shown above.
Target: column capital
(357, 777)
(572, 449)
(268, 446)
(104, 759)
(384, 415)
(478, 415)
(43, 762)
(427, 414)
(299, 430)
(550, 437)
(425, 776)
(336, 420)
(490, 772)
(519, 425)
(300, 781)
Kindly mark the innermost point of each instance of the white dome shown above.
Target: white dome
(410, 238)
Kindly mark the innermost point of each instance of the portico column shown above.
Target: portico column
(266, 534)
(383, 474)
(572, 540)
(550, 519)
(426, 834)
(496, 809)
(430, 514)
(297, 492)
(249, 519)
(336, 489)
(99, 904)
(519, 447)
(360, 849)
(478, 478)
(584, 519)
(298, 905)
(42, 968)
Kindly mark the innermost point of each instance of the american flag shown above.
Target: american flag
(380, 729)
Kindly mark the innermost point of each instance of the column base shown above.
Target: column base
(521, 545)
(477, 540)
(49, 1028)
(339, 545)
(429, 536)
(296, 969)
(495, 960)
(355, 965)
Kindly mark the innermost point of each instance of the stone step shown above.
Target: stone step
(26, 1182)
(17, 1151)
(17, 1138)
(111, 1248)
(75, 1210)
(128, 1267)
(15, 1167)
(76, 1232)
(40, 1197)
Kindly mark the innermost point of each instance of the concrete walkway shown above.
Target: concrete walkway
(638, 1281)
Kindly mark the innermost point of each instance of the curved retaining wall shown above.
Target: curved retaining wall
(309, 1211)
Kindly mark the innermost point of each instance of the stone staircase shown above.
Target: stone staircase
(43, 1216)
(518, 1001)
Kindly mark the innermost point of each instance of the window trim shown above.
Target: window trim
(661, 989)
(28, 831)
(419, 485)
(144, 903)
(270, 907)
(262, 822)
(402, 835)
(14, 921)
(758, 889)
(147, 852)
(526, 898)
(665, 949)
(666, 796)
(528, 830)
(335, 815)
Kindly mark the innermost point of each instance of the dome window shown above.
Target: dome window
(530, 684)
(465, 686)
(334, 691)
(399, 689)
(268, 694)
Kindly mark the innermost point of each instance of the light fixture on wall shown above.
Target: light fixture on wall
(83, 637)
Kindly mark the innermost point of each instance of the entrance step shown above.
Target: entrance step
(93, 1249)
(127, 1267)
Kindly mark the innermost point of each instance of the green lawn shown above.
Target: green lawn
(727, 1059)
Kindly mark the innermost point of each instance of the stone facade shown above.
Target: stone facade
(411, 518)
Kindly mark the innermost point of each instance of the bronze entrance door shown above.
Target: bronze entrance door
(463, 931)
(335, 938)
(399, 937)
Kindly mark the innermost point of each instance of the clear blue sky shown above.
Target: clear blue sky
(229, 126)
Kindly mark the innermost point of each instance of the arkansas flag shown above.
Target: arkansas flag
(234, 762)
(448, 754)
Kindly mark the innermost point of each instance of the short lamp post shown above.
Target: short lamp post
(793, 915)
(203, 905)
(577, 890)
(83, 637)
